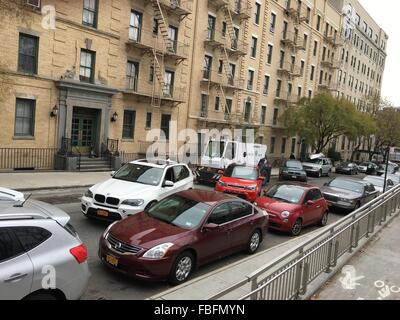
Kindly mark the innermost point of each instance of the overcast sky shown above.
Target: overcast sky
(386, 14)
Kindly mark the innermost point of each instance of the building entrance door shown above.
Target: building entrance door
(84, 130)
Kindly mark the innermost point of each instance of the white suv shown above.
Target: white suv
(135, 187)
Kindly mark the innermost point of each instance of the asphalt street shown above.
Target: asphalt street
(107, 284)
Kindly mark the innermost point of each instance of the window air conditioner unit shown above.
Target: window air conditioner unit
(33, 3)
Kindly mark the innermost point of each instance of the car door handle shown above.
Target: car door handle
(15, 277)
(318, 207)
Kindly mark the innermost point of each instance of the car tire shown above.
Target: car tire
(358, 206)
(324, 219)
(319, 173)
(254, 242)
(182, 268)
(150, 204)
(41, 296)
(296, 228)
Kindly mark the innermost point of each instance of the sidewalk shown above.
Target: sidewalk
(24, 181)
(371, 274)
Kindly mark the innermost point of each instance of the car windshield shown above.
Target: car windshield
(294, 165)
(316, 161)
(179, 211)
(245, 173)
(375, 181)
(347, 185)
(286, 193)
(133, 172)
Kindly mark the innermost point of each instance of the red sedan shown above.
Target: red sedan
(180, 233)
(241, 181)
(293, 206)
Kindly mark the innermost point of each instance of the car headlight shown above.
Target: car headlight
(285, 214)
(159, 251)
(133, 202)
(346, 200)
(252, 188)
(105, 233)
(89, 194)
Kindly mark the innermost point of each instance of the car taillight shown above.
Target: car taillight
(79, 253)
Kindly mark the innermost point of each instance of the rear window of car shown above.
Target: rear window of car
(31, 237)
(294, 164)
(246, 173)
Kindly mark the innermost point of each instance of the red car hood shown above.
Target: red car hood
(238, 182)
(145, 231)
(275, 206)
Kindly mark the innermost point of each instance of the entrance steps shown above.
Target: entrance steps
(94, 164)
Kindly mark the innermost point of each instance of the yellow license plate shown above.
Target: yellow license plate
(112, 260)
(102, 213)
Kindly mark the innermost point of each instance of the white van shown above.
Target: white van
(218, 155)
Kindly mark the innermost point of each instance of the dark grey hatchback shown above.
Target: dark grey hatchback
(292, 170)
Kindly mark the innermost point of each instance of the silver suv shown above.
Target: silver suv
(318, 165)
(41, 255)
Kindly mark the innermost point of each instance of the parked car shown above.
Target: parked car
(182, 232)
(395, 178)
(241, 181)
(293, 206)
(367, 168)
(133, 188)
(379, 182)
(292, 170)
(347, 168)
(34, 236)
(318, 165)
(347, 193)
(391, 169)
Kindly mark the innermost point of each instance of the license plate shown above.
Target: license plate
(112, 260)
(102, 213)
(294, 177)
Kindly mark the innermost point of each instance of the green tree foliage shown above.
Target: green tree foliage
(322, 119)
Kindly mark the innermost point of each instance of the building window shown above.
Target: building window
(269, 54)
(155, 26)
(204, 105)
(272, 148)
(293, 148)
(25, 118)
(165, 123)
(278, 88)
(315, 48)
(149, 117)
(312, 73)
(266, 85)
(211, 27)
(257, 13)
(247, 111)
(299, 89)
(151, 74)
(305, 39)
(302, 68)
(272, 23)
(207, 67)
(228, 106)
(28, 54)
(283, 147)
(318, 23)
(250, 79)
(275, 117)
(87, 66)
(223, 30)
(220, 66)
(263, 114)
(309, 94)
(135, 27)
(216, 106)
(132, 72)
(128, 129)
(90, 8)
(253, 47)
(169, 77)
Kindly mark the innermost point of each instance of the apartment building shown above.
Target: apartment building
(113, 70)
(362, 63)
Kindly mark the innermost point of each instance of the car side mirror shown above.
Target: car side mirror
(168, 184)
(261, 178)
(112, 173)
(210, 227)
(310, 203)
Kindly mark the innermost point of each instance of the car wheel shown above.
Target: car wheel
(182, 268)
(324, 219)
(150, 204)
(297, 227)
(358, 205)
(41, 296)
(254, 242)
(319, 173)
(329, 173)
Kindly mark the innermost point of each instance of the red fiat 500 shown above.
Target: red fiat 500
(241, 181)
(293, 206)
